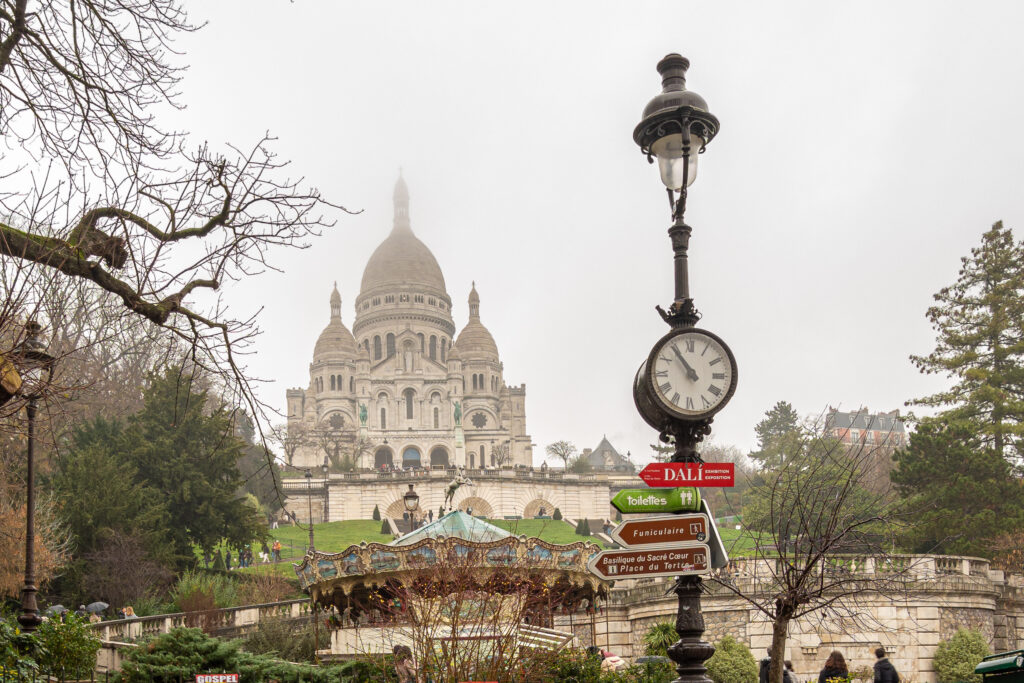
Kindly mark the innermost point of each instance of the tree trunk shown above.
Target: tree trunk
(778, 652)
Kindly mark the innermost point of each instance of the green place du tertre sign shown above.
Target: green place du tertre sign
(683, 499)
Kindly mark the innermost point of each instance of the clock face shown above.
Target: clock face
(692, 373)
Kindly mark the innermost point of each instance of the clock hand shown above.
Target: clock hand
(690, 372)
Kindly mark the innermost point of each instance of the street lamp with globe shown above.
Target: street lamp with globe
(690, 373)
(411, 500)
(35, 366)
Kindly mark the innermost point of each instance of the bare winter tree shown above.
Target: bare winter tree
(97, 192)
(563, 450)
(822, 539)
(290, 438)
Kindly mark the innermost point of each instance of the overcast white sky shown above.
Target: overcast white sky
(864, 148)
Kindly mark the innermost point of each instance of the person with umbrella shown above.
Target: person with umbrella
(94, 609)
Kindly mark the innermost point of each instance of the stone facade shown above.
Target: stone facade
(401, 384)
(493, 493)
(910, 627)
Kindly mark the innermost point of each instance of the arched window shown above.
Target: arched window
(437, 418)
(433, 347)
(472, 460)
(376, 348)
(332, 382)
(444, 347)
(422, 342)
(351, 385)
(409, 394)
(474, 382)
(483, 460)
(383, 418)
(391, 344)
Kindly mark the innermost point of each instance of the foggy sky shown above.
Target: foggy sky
(864, 149)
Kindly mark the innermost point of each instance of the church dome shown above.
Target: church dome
(335, 342)
(402, 260)
(475, 341)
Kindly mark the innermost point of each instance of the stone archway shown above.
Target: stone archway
(480, 506)
(411, 457)
(383, 456)
(439, 457)
(538, 507)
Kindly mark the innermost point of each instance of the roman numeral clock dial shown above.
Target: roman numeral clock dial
(691, 373)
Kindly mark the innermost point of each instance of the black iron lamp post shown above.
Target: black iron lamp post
(309, 499)
(690, 373)
(36, 370)
(411, 500)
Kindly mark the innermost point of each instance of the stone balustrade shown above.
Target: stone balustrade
(413, 476)
(228, 621)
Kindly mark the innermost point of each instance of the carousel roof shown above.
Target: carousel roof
(455, 525)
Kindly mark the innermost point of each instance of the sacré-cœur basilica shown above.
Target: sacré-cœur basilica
(406, 400)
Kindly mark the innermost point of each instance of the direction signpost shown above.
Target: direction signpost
(672, 474)
(661, 532)
(631, 564)
(685, 499)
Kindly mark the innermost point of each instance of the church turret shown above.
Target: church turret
(335, 302)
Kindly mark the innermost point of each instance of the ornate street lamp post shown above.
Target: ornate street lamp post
(309, 500)
(690, 373)
(36, 370)
(411, 500)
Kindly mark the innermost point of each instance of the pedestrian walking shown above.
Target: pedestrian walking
(766, 667)
(885, 672)
(788, 675)
(835, 668)
(227, 559)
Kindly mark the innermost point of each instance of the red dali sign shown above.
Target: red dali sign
(670, 530)
(672, 474)
(630, 564)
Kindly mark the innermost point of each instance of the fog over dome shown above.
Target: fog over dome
(402, 259)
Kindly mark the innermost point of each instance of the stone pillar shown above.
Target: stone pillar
(460, 447)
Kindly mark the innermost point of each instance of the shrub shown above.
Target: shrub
(583, 528)
(956, 658)
(67, 649)
(283, 638)
(264, 585)
(204, 590)
(732, 662)
(184, 652)
(659, 637)
(557, 516)
(376, 513)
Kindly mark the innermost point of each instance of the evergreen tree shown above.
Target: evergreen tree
(776, 435)
(184, 446)
(979, 322)
(958, 493)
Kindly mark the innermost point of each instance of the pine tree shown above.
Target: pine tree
(957, 494)
(979, 322)
(183, 445)
(776, 434)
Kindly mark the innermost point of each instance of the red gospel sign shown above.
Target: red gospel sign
(672, 474)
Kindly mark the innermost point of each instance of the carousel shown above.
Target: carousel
(456, 588)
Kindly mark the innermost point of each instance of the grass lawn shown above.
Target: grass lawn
(736, 542)
(332, 537)
(545, 529)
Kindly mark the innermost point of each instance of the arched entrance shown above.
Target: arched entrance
(538, 507)
(411, 457)
(439, 457)
(383, 456)
(479, 507)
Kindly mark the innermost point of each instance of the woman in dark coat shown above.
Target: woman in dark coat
(835, 667)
